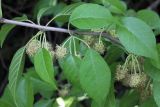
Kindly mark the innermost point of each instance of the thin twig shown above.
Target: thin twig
(46, 28)
(11, 9)
(25, 24)
(154, 5)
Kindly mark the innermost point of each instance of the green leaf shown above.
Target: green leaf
(137, 37)
(76, 91)
(41, 13)
(94, 104)
(90, 16)
(6, 28)
(111, 101)
(38, 84)
(149, 103)
(96, 1)
(59, 7)
(131, 13)
(150, 17)
(44, 67)
(62, 16)
(113, 54)
(15, 70)
(24, 93)
(0, 9)
(44, 103)
(115, 6)
(130, 99)
(70, 66)
(69, 101)
(69, 9)
(151, 70)
(95, 77)
(7, 96)
(42, 4)
(156, 92)
(4, 103)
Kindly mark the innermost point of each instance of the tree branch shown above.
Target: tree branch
(154, 5)
(46, 28)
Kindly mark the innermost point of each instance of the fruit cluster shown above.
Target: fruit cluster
(34, 45)
(131, 74)
(95, 43)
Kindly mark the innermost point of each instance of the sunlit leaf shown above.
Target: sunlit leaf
(24, 93)
(150, 17)
(90, 16)
(137, 37)
(15, 70)
(70, 66)
(95, 77)
(44, 66)
(115, 6)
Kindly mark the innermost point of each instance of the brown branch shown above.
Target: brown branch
(154, 5)
(46, 28)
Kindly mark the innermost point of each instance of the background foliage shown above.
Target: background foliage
(37, 85)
